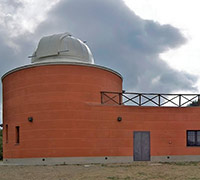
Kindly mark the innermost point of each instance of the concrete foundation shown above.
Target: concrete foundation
(95, 160)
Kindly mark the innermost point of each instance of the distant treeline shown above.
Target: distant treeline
(194, 103)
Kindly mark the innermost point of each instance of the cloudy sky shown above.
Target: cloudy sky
(152, 43)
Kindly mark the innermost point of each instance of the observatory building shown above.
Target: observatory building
(64, 109)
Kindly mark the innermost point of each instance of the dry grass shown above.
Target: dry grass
(133, 171)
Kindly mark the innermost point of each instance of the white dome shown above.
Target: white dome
(62, 47)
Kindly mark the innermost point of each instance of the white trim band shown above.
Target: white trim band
(61, 63)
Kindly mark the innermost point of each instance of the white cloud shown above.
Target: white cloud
(18, 17)
(123, 41)
(120, 40)
(183, 15)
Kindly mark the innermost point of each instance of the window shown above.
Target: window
(193, 138)
(17, 134)
(6, 133)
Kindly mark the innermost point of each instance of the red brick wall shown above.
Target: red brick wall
(69, 121)
(56, 96)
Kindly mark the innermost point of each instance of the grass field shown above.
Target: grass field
(133, 171)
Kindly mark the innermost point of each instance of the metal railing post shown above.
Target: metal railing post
(120, 98)
(158, 99)
(140, 99)
(179, 100)
(102, 97)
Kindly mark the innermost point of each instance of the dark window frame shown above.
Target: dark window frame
(6, 133)
(195, 144)
(17, 134)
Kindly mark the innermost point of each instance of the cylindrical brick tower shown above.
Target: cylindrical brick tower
(48, 106)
